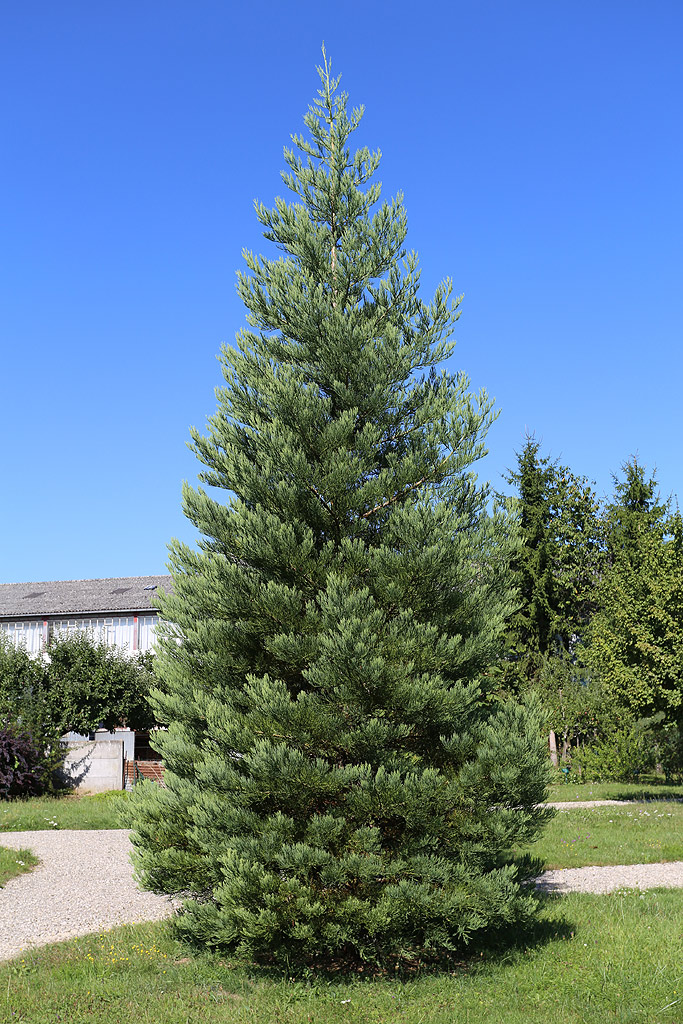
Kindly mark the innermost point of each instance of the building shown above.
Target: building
(118, 611)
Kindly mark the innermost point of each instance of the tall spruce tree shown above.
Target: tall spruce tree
(635, 512)
(338, 784)
(529, 631)
(556, 568)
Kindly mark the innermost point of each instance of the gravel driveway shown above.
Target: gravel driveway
(83, 884)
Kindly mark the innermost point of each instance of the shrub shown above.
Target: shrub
(25, 768)
(621, 757)
(668, 747)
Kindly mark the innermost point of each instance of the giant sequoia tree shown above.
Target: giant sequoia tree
(338, 784)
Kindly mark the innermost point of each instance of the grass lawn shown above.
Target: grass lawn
(631, 834)
(15, 862)
(101, 810)
(591, 959)
(565, 792)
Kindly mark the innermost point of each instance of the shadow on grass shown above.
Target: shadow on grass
(652, 794)
(506, 947)
(515, 940)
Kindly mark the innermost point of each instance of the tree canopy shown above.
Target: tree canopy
(636, 637)
(80, 685)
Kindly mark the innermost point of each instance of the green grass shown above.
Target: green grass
(15, 862)
(631, 834)
(615, 791)
(591, 959)
(101, 810)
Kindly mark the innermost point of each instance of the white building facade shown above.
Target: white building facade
(119, 612)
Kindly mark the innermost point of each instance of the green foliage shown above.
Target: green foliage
(620, 757)
(81, 686)
(92, 685)
(338, 785)
(669, 750)
(598, 633)
(529, 631)
(636, 637)
(23, 688)
(576, 705)
(26, 703)
(635, 512)
(666, 743)
(556, 566)
(579, 556)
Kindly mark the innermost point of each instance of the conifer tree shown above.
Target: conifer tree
(338, 786)
(529, 631)
(556, 568)
(635, 511)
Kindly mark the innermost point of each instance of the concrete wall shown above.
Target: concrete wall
(94, 766)
(126, 736)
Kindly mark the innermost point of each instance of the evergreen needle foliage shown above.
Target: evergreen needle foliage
(556, 568)
(339, 784)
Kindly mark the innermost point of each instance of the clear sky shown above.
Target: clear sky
(540, 149)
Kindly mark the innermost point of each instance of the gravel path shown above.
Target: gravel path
(618, 876)
(83, 884)
(569, 805)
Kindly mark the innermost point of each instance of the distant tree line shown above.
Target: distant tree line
(598, 631)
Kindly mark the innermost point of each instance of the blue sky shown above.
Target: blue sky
(540, 149)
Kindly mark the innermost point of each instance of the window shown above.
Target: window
(24, 634)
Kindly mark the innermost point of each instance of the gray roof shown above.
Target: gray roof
(80, 597)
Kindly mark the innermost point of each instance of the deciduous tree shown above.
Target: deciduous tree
(637, 636)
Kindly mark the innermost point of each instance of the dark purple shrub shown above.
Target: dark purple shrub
(24, 769)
